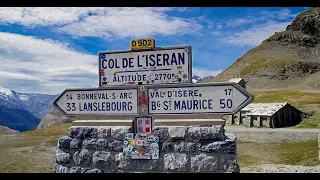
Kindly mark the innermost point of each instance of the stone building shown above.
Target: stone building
(239, 81)
(272, 115)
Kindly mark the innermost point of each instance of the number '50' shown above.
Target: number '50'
(225, 103)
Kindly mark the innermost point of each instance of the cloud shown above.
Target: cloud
(281, 14)
(12, 75)
(205, 72)
(43, 16)
(130, 22)
(102, 22)
(255, 34)
(264, 15)
(216, 33)
(242, 21)
(45, 62)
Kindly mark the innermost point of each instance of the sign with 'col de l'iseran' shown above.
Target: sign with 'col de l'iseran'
(165, 65)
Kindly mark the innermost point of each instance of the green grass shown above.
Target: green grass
(306, 13)
(253, 67)
(311, 122)
(30, 151)
(260, 62)
(258, 48)
(299, 153)
(289, 153)
(52, 131)
(280, 62)
(293, 97)
(275, 36)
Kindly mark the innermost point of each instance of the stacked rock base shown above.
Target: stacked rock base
(182, 149)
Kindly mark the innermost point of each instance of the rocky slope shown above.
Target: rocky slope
(288, 59)
(52, 118)
(6, 130)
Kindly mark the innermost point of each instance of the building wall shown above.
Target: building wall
(284, 117)
(182, 149)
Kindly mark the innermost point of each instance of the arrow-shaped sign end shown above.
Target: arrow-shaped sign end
(243, 95)
(58, 100)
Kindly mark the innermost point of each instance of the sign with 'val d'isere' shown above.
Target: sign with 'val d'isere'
(216, 98)
(165, 65)
(98, 101)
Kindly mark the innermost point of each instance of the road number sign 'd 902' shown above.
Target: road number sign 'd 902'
(170, 65)
(142, 44)
(99, 101)
(219, 99)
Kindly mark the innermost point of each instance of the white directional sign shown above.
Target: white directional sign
(166, 65)
(218, 98)
(98, 101)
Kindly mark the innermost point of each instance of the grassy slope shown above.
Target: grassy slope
(31, 151)
(304, 101)
(294, 153)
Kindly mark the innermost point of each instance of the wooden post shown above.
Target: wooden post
(272, 121)
(259, 121)
(268, 123)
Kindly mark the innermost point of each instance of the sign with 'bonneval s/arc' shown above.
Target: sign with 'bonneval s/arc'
(165, 65)
(98, 101)
(217, 98)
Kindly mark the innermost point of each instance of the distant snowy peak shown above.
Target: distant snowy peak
(23, 97)
(195, 78)
(5, 91)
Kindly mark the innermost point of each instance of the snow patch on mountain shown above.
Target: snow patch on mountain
(195, 78)
(23, 97)
(5, 91)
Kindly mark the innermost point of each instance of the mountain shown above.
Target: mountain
(37, 104)
(205, 79)
(17, 119)
(6, 130)
(54, 117)
(288, 59)
(198, 79)
(195, 78)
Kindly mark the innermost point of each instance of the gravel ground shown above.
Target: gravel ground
(254, 134)
(246, 134)
(279, 168)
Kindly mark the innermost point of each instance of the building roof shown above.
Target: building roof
(236, 80)
(263, 109)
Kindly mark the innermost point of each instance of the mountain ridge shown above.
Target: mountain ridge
(17, 119)
(22, 111)
(287, 59)
(38, 104)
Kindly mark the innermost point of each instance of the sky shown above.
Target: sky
(49, 49)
